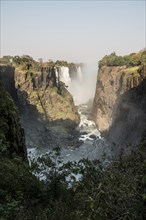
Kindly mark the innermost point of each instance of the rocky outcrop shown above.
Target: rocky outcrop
(47, 109)
(48, 113)
(119, 103)
(12, 141)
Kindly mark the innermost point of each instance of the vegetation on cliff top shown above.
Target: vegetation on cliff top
(26, 62)
(134, 59)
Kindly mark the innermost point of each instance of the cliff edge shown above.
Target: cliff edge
(119, 108)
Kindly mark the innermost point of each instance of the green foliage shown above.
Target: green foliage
(49, 189)
(18, 187)
(24, 62)
(134, 59)
(56, 175)
(114, 192)
(11, 134)
(61, 63)
(111, 60)
(111, 193)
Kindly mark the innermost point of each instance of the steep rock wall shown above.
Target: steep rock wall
(129, 117)
(116, 95)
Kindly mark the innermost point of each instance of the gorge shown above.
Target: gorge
(51, 115)
(44, 94)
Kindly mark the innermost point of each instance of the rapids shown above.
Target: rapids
(93, 145)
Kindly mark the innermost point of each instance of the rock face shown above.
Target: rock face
(48, 95)
(129, 117)
(46, 107)
(119, 106)
(12, 141)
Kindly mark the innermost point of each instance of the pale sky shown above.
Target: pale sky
(76, 31)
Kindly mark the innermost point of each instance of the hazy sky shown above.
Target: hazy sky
(78, 31)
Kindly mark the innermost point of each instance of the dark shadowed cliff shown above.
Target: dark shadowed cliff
(12, 141)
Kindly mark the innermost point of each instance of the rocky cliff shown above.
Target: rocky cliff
(47, 94)
(46, 107)
(129, 117)
(12, 141)
(119, 106)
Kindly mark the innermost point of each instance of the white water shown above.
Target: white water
(92, 147)
(79, 74)
(64, 75)
(76, 87)
(87, 126)
(83, 87)
(57, 74)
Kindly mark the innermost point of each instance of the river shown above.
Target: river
(93, 145)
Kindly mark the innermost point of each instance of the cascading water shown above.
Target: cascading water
(57, 74)
(79, 74)
(93, 146)
(87, 127)
(64, 75)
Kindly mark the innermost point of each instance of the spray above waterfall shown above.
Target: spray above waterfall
(79, 74)
(80, 82)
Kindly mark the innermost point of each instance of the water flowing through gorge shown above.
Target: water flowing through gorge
(92, 145)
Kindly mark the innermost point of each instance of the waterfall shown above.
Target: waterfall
(56, 74)
(79, 74)
(64, 75)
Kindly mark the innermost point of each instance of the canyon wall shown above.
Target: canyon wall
(119, 108)
(129, 117)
